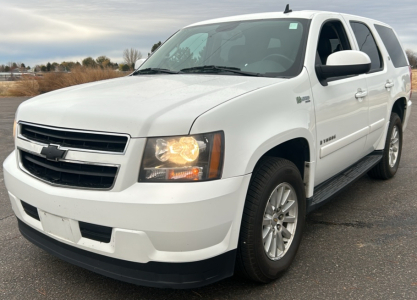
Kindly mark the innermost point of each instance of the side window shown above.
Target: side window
(332, 39)
(393, 46)
(366, 43)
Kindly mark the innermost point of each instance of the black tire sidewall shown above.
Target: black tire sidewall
(268, 267)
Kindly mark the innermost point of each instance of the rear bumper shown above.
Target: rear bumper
(153, 274)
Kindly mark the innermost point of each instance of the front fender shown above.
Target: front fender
(260, 120)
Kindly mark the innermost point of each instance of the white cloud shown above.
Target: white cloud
(40, 31)
(25, 26)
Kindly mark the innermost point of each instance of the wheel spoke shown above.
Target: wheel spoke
(289, 219)
(266, 234)
(280, 242)
(285, 197)
(395, 132)
(268, 241)
(267, 220)
(286, 233)
(269, 208)
(394, 141)
(288, 206)
(273, 246)
(278, 196)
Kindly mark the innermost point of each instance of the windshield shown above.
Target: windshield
(272, 48)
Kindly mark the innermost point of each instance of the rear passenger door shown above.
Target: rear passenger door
(377, 79)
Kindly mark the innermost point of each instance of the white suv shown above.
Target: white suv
(208, 157)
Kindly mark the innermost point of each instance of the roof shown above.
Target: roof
(303, 14)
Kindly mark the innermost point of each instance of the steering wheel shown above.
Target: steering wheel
(281, 59)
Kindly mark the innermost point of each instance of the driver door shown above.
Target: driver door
(341, 116)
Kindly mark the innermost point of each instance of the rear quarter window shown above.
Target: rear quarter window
(393, 46)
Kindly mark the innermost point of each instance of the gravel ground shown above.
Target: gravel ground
(362, 245)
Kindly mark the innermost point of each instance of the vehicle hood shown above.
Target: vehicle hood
(141, 106)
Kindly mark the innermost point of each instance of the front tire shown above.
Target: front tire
(388, 165)
(273, 220)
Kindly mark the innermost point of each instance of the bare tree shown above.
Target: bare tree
(130, 57)
(412, 58)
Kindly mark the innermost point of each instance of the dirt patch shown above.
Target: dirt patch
(414, 80)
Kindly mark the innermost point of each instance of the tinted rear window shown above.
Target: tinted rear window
(393, 46)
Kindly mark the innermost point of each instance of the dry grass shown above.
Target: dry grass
(32, 86)
(415, 80)
(5, 86)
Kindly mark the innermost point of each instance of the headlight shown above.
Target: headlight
(183, 158)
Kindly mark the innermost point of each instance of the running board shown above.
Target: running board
(326, 190)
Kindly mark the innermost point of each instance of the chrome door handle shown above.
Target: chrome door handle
(361, 94)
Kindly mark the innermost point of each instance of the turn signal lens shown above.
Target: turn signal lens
(216, 156)
(14, 128)
(183, 158)
(411, 80)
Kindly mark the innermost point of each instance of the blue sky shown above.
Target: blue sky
(35, 32)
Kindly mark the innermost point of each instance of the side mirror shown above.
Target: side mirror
(139, 62)
(344, 63)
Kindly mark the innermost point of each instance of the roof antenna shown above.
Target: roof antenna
(287, 9)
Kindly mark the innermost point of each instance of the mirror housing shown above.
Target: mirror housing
(344, 63)
(139, 62)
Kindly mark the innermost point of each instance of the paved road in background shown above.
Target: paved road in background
(362, 245)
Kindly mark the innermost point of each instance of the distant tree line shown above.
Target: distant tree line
(130, 56)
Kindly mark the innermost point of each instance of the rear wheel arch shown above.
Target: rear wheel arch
(399, 107)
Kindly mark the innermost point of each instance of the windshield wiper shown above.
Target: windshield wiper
(154, 70)
(220, 69)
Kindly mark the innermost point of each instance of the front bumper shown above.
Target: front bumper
(154, 274)
(153, 224)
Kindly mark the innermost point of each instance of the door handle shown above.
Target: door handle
(389, 84)
(361, 94)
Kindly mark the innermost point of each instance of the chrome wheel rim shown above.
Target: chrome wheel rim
(394, 147)
(279, 221)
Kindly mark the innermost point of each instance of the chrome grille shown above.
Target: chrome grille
(74, 139)
(71, 174)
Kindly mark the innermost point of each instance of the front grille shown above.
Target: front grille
(95, 232)
(74, 139)
(68, 173)
(30, 210)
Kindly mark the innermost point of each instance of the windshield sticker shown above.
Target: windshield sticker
(293, 25)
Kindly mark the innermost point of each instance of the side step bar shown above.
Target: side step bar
(326, 190)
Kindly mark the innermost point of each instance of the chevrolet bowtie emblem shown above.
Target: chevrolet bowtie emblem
(53, 153)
